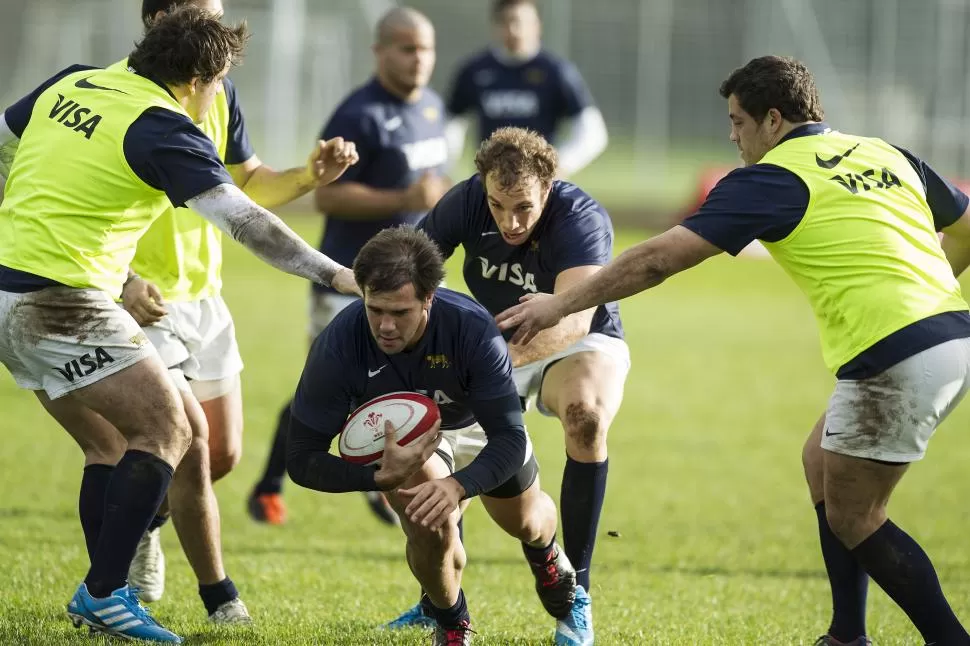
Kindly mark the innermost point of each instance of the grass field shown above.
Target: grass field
(717, 542)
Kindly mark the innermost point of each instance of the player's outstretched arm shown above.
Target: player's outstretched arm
(956, 243)
(269, 238)
(268, 187)
(637, 269)
(564, 333)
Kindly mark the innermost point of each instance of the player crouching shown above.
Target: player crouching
(410, 335)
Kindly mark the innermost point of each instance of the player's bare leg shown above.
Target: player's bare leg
(584, 391)
(224, 415)
(102, 444)
(857, 492)
(436, 558)
(143, 405)
(848, 580)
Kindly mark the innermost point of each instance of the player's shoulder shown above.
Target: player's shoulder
(461, 309)
(343, 332)
(558, 64)
(570, 202)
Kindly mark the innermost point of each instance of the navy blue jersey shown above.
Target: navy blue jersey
(461, 361)
(767, 202)
(397, 143)
(573, 231)
(535, 94)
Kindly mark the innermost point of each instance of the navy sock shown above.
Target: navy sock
(903, 570)
(451, 617)
(215, 594)
(580, 502)
(137, 488)
(90, 504)
(849, 582)
(272, 480)
(157, 522)
(539, 554)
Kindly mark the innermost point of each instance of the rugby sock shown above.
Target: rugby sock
(215, 594)
(850, 583)
(157, 522)
(903, 570)
(451, 617)
(539, 554)
(137, 488)
(580, 502)
(272, 480)
(90, 504)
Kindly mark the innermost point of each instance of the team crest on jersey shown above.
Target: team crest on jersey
(535, 75)
(533, 245)
(139, 339)
(431, 113)
(437, 361)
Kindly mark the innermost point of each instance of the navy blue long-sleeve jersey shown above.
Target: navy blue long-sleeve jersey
(461, 361)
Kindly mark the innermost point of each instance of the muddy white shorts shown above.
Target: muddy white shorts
(197, 341)
(59, 339)
(528, 378)
(891, 416)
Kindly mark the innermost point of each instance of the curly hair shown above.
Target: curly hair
(511, 154)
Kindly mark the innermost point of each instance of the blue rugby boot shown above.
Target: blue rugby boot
(577, 628)
(120, 615)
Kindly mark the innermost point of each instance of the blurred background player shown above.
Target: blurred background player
(397, 124)
(854, 221)
(516, 82)
(173, 293)
(523, 231)
(409, 334)
(65, 247)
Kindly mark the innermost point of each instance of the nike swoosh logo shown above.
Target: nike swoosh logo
(374, 373)
(490, 233)
(85, 84)
(829, 433)
(832, 162)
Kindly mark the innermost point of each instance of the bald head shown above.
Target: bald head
(405, 52)
(400, 19)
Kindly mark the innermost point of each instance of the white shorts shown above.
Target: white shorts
(459, 447)
(197, 341)
(528, 378)
(891, 416)
(324, 306)
(59, 339)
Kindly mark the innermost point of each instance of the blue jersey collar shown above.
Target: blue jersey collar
(819, 128)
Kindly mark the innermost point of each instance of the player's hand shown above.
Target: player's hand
(534, 313)
(143, 301)
(330, 159)
(432, 502)
(401, 462)
(425, 192)
(344, 282)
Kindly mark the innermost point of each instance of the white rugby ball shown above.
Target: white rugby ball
(362, 437)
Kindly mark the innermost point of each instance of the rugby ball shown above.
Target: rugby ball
(362, 437)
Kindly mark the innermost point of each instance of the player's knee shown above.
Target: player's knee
(586, 425)
(848, 525)
(433, 541)
(223, 460)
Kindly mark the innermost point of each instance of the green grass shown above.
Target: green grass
(717, 541)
